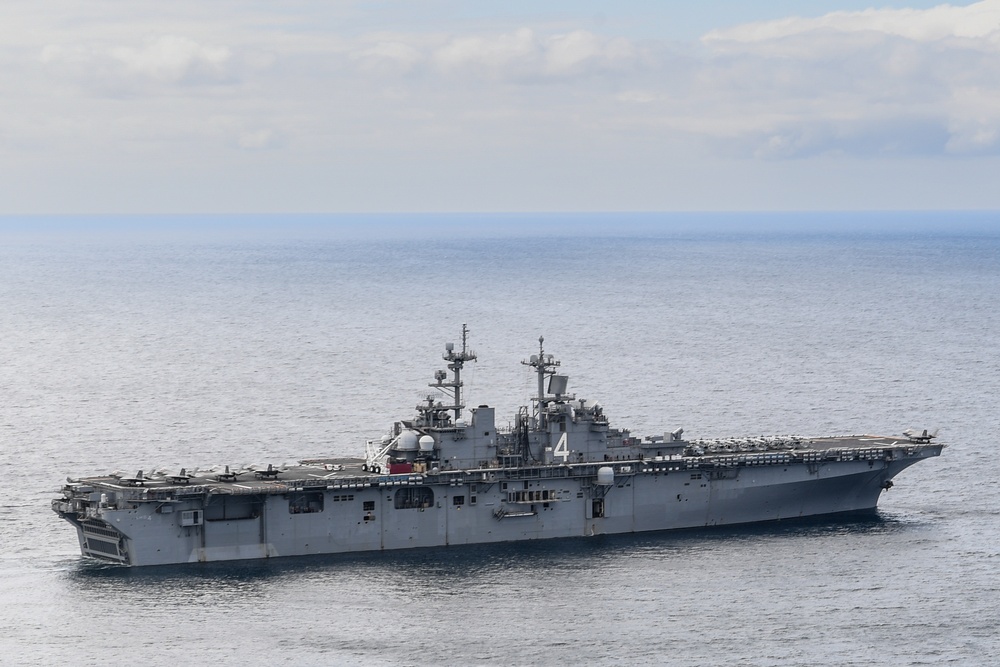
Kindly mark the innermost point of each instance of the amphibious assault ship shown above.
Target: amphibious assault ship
(446, 477)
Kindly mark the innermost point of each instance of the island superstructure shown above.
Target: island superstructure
(451, 475)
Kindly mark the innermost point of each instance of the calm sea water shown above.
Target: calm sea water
(139, 343)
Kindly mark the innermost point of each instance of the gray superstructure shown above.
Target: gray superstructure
(443, 478)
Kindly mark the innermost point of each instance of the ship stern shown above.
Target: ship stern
(98, 539)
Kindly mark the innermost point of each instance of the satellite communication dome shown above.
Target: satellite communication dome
(407, 441)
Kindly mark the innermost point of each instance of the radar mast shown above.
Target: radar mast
(544, 365)
(456, 361)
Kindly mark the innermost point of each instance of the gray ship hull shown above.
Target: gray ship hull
(497, 506)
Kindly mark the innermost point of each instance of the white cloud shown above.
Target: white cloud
(492, 52)
(574, 51)
(975, 129)
(977, 21)
(173, 58)
(156, 60)
(525, 54)
(893, 82)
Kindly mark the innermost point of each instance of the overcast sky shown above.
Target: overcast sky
(523, 105)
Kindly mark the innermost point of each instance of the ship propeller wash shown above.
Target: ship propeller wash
(453, 476)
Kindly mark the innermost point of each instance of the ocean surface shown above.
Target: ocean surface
(137, 343)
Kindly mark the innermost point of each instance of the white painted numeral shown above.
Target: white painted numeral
(562, 448)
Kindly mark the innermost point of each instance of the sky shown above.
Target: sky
(305, 106)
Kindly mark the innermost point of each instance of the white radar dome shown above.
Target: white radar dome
(407, 441)
(426, 443)
(605, 476)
